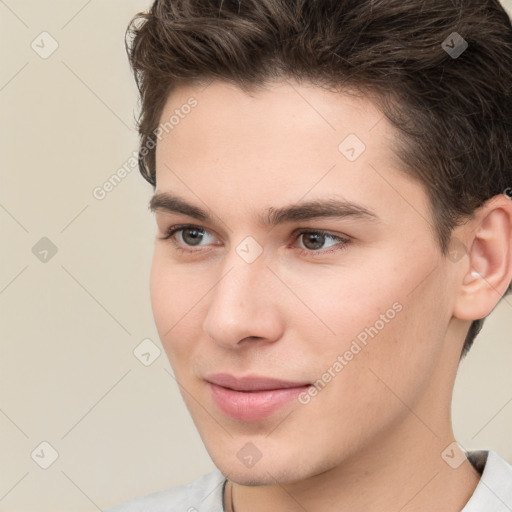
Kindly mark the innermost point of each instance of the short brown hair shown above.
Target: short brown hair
(453, 112)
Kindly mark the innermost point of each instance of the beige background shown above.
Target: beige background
(69, 325)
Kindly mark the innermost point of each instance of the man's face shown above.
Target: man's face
(358, 303)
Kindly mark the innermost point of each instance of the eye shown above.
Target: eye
(186, 237)
(314, 240)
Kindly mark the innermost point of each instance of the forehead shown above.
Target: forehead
(278, 144)
(279, 108)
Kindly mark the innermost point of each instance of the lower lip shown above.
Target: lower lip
(252, 405)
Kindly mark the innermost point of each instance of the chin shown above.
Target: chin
(267, 471)
(251, 480)
(262, 476)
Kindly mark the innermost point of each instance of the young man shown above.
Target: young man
(332, 192)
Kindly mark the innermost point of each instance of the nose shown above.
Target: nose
(244, 305)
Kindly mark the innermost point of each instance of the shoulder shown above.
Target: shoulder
(494, 490)
(204, 493)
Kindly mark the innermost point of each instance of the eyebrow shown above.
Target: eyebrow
(320, 208)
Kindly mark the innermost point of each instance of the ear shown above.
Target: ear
(488, 272)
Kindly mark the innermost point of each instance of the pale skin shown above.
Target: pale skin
(372, 439)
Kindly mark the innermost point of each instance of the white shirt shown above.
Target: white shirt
(205, 494)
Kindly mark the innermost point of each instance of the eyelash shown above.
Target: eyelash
(307, 252)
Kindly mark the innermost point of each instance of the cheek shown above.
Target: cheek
(166, 292)
(159, 292)
(401, 361)
(174, 289)
(343, 302)
(176, 296)
(384, 321)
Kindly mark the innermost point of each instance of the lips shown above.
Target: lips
(252, 383)
(252, 398)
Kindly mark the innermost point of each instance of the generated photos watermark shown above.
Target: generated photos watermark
(101, 191)
(357, 345)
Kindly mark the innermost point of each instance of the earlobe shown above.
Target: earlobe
(490, 260)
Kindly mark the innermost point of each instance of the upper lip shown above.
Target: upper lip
(251, 382)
